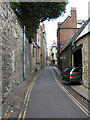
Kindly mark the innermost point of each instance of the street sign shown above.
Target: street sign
(62, 58)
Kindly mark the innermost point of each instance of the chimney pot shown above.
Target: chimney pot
(73, 12)
(73, 8)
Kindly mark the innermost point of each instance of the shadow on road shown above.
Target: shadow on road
(69, 83)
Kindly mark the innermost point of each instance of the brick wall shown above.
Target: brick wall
(66, 35)
(68, 27)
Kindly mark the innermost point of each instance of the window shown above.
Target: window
(77, 70)
(38, 52)
(67, 69)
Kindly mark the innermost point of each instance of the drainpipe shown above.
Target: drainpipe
(24, 54)
(36, 54)
(46, 53)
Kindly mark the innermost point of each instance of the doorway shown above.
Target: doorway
(78, 59)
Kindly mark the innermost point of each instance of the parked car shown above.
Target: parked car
(72, 74)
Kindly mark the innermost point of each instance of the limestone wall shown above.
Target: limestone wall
(89, 60)
(11, 41)
(67, 61)
(85, 59)
(33, 57)
(85, 41)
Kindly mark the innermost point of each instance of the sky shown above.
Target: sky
(51, 26)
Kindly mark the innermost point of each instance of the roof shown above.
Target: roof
(54, 45)
(75, 36)
(80, 21)
(64, 20)
(84, 32)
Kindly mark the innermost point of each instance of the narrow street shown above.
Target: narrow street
(47, 98)
(44, 59)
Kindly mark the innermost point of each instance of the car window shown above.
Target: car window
(77, 70)
(67, 69)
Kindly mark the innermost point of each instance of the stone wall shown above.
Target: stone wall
(27, 60)
(12, 50)
(67, 61)
(85, 41)
(33, 57)
(89, 59)
(0, 68)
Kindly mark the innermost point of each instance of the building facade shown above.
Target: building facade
(18, 57)
(54, 54)
(65, 32)
(77, 53)
(43, 56)
(33, 47)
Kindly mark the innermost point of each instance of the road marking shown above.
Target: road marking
(74, 100)
(26, 94)
(26, 100)
(70, 96)
(24, 114)
(73, 97)
(12, 112)
(24, 103)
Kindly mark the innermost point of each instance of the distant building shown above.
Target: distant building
(39, 50)
(54, 54)
(43, 56)
(33, 47)
(65, 32)
(49, 51)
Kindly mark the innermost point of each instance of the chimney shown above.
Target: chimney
(73, 12)
(74, 17)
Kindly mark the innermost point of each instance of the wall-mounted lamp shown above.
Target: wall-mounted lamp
(61, 44)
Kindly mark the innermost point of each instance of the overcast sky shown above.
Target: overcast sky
(82, 13)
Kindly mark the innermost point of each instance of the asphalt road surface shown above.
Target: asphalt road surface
(47, 99)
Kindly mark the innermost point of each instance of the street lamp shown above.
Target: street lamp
(61, 46)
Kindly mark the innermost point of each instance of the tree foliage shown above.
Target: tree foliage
(32, 13)
(48, 58)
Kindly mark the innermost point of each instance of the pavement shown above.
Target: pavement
(14, 102)
(80, 89)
